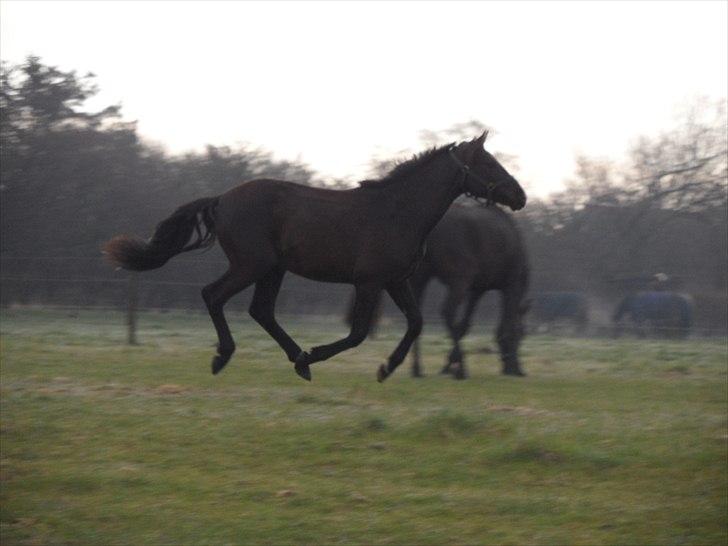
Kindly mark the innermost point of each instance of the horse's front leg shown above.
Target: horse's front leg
(455, 297)
(366, 301)
(402, 295)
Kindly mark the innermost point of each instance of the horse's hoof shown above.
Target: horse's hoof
(303, 371)
(301, 367)
(514, 373)
(417, 375)
(458, 371)
(218, 363)
(382, 373)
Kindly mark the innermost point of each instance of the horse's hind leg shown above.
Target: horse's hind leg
(402, 295)
(262, 310)
(418, 289)
(453, 301)
(216, 295)
(464, 327)
(510, 331)
(467, 319)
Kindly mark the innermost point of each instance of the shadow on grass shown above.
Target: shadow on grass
(451, 425)
(534, 452)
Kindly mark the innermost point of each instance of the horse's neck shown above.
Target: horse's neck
(422, 198)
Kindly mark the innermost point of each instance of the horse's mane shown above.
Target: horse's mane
(405, 167)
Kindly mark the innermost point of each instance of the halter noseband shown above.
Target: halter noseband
(466, 171)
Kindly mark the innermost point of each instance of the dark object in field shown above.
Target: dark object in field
(371, 237)
(549, 308)
(473, 250)
(668, 314)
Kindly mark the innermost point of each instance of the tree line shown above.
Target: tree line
(70, 177)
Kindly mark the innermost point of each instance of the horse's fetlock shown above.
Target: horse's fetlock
(226, 350)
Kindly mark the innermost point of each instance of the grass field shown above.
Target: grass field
(605, 442)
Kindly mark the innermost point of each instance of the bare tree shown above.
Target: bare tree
(664, 208)
(685, 169)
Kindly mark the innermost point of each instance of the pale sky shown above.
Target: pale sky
(335, 83)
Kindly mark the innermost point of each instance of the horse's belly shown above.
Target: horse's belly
(325, 265)
(320, 274)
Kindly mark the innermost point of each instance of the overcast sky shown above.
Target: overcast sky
(333, 84)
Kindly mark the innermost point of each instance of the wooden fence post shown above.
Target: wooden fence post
(132, 298)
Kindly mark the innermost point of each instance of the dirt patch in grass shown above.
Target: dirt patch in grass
(566, 456)
(450, 425)
(62, 386)
(170, 388)
(517, 410)
(321, 401)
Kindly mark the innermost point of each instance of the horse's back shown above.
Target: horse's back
(318, 233)
(658, 302)
(669, 310)
(282, 222)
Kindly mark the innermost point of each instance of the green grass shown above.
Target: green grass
(605, 442)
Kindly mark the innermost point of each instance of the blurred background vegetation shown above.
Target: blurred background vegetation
(72, 177)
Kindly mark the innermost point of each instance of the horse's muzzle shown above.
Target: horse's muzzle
(519, 202)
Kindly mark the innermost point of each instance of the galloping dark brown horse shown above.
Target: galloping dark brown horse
(371, 237)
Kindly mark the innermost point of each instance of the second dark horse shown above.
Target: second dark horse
(473, 250)
(370, 237)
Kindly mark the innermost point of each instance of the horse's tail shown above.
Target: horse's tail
(171, 237)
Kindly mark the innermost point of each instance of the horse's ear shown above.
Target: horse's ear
(481, 139)
(471, 147)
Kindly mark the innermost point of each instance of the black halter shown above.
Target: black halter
(466, 171)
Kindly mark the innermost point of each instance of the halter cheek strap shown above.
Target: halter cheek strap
(466, 172)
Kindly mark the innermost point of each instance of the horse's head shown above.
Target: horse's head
(483, 176)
